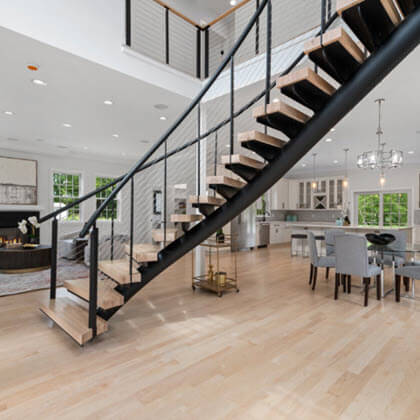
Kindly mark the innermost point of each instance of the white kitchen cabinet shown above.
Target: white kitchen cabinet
(293, 194)
(279, 195)
(279, 233)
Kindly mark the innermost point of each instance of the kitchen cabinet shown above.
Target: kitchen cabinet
(279, 195)
(330, 194)
(279, 233)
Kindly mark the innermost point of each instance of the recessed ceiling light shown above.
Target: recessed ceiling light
(39, 82)
(108, 102)
(9, 113)
(85, 148)
(32, 67)
(233, 2)
(411, 152)
(162, 118)
(62, 147)
(115, 136)
(275, 100)
(328, 140)
(303, 165)
(332, 130)
(336, 161)
(160, 107)
(67, 125)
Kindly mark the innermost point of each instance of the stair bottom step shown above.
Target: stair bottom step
(73, 319)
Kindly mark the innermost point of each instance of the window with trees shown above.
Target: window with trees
(387, 209)
(66, 189)
(111, 210)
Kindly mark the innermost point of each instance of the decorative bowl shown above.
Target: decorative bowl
(383, 239)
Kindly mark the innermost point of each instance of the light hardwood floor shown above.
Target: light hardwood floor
(276, 350)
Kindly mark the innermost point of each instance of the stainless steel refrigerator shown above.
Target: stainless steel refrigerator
(243, 229)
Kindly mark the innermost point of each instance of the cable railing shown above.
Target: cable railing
(172, 158)
(164, 34)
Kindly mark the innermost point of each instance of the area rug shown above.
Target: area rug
(11, 284)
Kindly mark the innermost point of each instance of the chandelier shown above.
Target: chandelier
(380, 158)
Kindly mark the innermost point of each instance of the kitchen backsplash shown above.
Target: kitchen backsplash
(306, 215)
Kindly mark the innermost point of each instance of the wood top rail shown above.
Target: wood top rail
(207, 25)
(228, 12)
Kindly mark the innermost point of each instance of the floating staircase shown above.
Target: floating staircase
(338, 54)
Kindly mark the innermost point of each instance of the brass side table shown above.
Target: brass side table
(219, 282)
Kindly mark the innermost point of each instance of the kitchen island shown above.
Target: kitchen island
(352, 228)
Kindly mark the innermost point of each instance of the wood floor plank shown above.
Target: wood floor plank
(275, 350)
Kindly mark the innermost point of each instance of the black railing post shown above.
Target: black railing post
(323, 14)
(215, 155)
(198, 151)
(131, 228)
(268, 55)
(112, 231)
(54, 246)
(257, 31)
(128, 23)
(198, 53)
(329, 10)
(93, 279)
(206, 52)
(232, 105)
(166, 35)
(165, 191)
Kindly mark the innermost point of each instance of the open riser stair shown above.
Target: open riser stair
(353, 64)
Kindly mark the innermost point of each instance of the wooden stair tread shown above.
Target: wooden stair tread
(243, 160)
(225, 180)
(119, 270)
(186, 218)
(255, 135)
(332, 36)
(73, 319)
(305, 74)
(206, 199)
(171, 234)
(388, 5)
(281, 108)
(107, 297)
(144, 252)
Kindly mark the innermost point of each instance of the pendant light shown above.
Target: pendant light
(346, 173)
(314, 182)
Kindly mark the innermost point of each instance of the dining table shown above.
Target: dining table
(409, 251)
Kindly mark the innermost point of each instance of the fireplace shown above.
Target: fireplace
(9, 232)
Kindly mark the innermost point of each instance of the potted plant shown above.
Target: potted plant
(29, 227)
(220, 236)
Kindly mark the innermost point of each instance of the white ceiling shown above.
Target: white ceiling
(77, 88)
(75, 94)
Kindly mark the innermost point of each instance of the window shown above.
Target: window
(111, 210)
(66, 189)
(387, 209)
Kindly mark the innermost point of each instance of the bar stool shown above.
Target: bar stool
(298, 235)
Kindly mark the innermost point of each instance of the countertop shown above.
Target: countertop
(334, 226)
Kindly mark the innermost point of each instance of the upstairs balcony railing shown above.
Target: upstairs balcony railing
(162, 33)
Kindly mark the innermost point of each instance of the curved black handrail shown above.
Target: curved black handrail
(212, 130)
(174, 126)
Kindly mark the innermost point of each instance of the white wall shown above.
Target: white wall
(89, 170)
(92, 29)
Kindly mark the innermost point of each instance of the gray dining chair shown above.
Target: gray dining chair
(407, 272)
(352, 259)
(330, 235)
(394, 258)
(316, 260)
